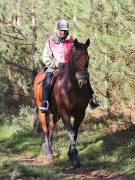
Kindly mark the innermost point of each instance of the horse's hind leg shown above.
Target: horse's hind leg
(47, 145)
(51, 126)
(37, 124)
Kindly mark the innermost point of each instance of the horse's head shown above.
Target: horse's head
(80, 60)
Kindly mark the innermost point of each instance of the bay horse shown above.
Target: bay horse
(69, 97)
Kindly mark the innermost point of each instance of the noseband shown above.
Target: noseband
(82, 77)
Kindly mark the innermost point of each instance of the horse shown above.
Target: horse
(69, 97)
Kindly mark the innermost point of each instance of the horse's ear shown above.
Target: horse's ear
(87, 42)
(75, 42)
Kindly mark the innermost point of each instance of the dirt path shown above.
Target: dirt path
(89, 174)
(81, 173)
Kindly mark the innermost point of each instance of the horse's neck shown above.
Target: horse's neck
(70, 70)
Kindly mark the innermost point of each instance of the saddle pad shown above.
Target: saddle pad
(41, 77)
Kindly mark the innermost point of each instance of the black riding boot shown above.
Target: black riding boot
(93, 102)
(46, 86)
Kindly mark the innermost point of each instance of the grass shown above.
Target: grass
(98, 150)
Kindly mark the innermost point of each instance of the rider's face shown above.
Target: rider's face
(62, 33)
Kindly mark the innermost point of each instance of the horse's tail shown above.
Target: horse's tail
(38, 77)
(37, 125)
(34, 73)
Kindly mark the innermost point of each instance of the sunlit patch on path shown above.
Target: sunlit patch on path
(91, 174)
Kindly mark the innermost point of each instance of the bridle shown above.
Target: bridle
(81, 76)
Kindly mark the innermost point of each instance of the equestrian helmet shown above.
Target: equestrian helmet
(62, 25)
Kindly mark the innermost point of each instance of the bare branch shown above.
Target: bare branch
(18, 30)
(11, 36)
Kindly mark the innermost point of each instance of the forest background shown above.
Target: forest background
(24, 27)
(110, 25)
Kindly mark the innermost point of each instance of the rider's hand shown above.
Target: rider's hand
(56, 72)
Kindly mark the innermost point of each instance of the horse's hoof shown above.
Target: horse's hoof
(47, 149)
(75, 164)
(49, 159)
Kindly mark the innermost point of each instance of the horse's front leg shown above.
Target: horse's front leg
(73, 152)
(78, 117)
(47, 131)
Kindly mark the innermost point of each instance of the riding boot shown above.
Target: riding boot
(93, 102)
(46, 86)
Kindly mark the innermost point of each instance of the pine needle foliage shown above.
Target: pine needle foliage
(109, 25)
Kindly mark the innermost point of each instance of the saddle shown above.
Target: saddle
(38, 84)
(42, 76)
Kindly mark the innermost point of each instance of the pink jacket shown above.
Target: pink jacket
(61, 51)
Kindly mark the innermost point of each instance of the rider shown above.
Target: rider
(55, 54)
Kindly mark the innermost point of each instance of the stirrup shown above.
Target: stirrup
(44, 107)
